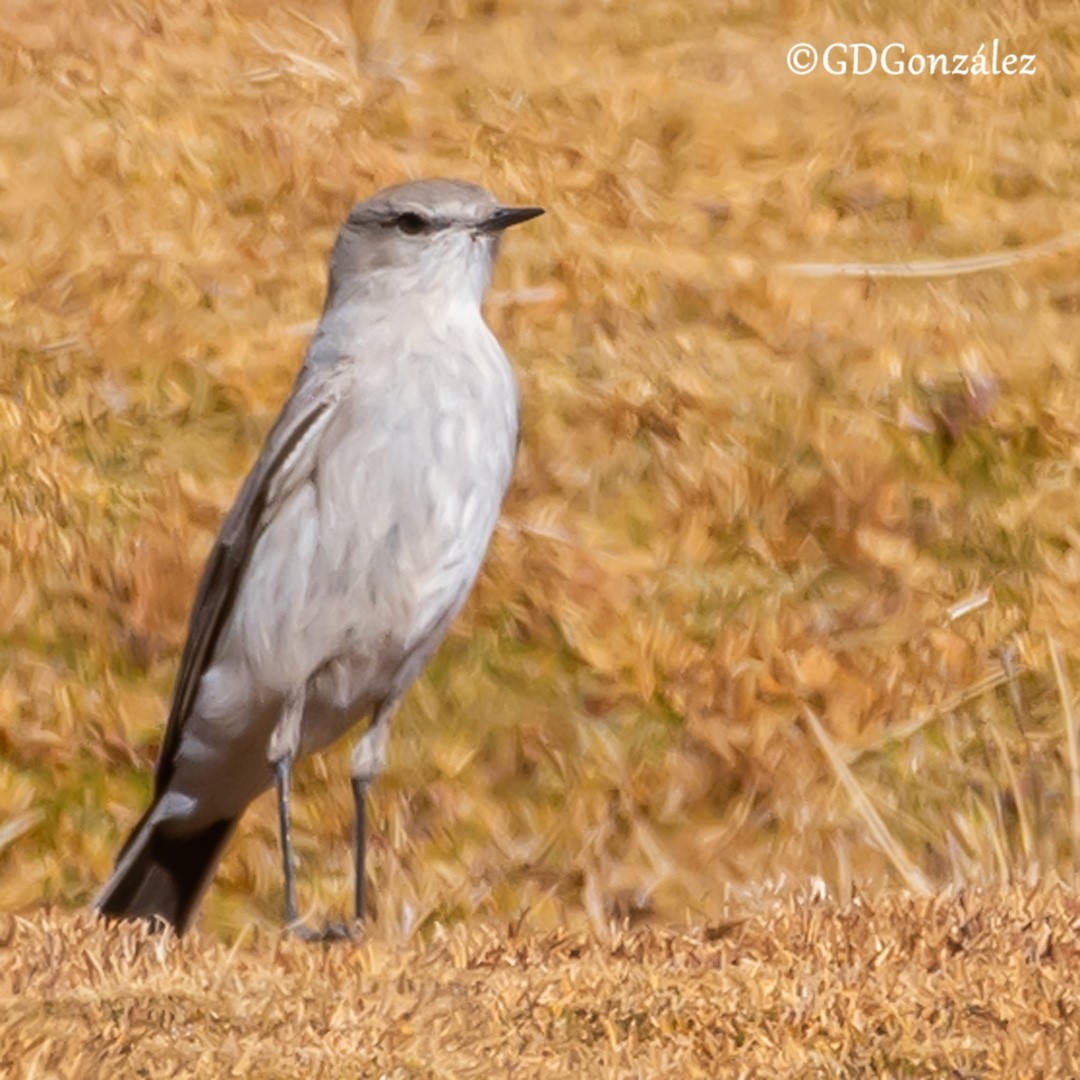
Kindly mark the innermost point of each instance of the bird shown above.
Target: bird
(351, 546)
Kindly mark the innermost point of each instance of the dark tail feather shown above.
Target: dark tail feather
(161, 875)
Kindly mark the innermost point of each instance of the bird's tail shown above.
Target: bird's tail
(158, 875)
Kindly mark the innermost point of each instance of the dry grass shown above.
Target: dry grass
(787, 586)
(975, 984)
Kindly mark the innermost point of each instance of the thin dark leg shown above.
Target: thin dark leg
(334, 932)
(283, 774)
(359, 788)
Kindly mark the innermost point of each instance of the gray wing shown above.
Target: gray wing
(268, 481)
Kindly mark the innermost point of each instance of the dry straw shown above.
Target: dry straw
(971, 983)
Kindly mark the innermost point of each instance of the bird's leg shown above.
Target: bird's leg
(284, 746)
(368, 760)
(359, 790)
(283, 775)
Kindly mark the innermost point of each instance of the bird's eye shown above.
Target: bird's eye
(410, 223)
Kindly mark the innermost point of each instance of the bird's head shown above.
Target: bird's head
(433, 238)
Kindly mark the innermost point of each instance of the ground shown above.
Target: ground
(975, 983)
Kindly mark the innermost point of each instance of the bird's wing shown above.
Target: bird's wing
(284, 461)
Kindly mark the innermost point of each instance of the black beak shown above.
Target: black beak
(506, 216)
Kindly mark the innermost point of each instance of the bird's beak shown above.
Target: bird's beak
(506, 216)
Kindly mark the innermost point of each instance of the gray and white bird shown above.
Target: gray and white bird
(353, 542)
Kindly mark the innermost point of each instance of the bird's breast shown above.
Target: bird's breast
(407, 492)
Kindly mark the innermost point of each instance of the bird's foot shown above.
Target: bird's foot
(334, 931)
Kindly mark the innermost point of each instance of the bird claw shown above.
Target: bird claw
(334, 931)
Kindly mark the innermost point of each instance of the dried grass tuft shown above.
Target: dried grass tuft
(972, 983)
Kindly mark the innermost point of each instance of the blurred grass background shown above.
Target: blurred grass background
(787, 585)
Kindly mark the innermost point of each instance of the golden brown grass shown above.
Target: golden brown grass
(974, 984)
(787, 586)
